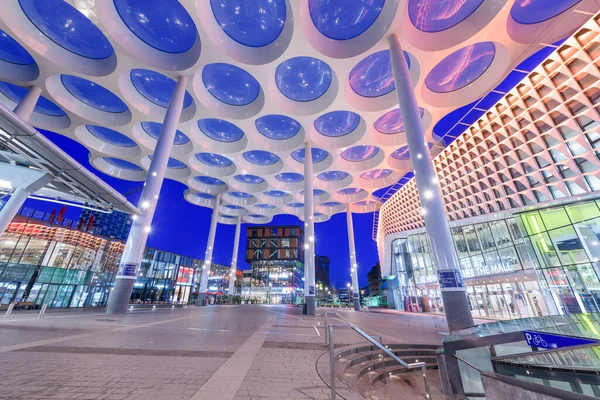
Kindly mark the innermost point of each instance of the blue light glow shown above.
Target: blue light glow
(337, 123)
(275, 193)
(535, 11)
(331, 204)
(214, 160)
(372, 76)
(266, 206)
(256, 216)
(241, 195)
(289, 177)
(162, 24)
(277, 127)
(461, 68)
(296, 205)
(43, 106)
(111, 137)
(316, 192)
(205, 195)
(403, 154)
(153, 129)
(93, 94)
(220, 130)
(332, 176)
(350, 191)
(360, 153)
(439, 15)
(318, 155)
(230, 84)
(68, 28)
(11, 51)
(208, 180)
(250, 179)
(303, 78)
(261, 157)
(343, 19)
(255, 23)
(122, 164)
(233, 207)
(376, 174)
(391, 122)
(156, 87)
(173, 163)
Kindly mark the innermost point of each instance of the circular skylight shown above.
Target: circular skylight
(241, 195)
(439, 15)
(318, 155)
(208, 180)
(220, 130)
(296, 205)
(93, 94)
(214, 160)
(332, 176)
(303, 78)
(173, 163)
(376, 174)
(230, 84)
(316, 192)
(11, 51)
(331, 204)
(153, 129)
(360, 153)
(250, 179)
(391, 122)
(461, 68)
(256, 216)
(255, 23)
(233, 207)
(43, 106)
(162, 24)
(156, 87)
(536, 11)
(68, 28)
(403, 154)
(289, 177)
(277, 127)
(373, 76)
(265, 206)
(275, 193)
(205, 195)
(343, 19)
(365, 202)
(110, 136)
(261, 157)
(349, 191)
(123, 164)
(337, 123)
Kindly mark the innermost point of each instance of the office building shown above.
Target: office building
(114, 225)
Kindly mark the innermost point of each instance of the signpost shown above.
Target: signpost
(550, 341)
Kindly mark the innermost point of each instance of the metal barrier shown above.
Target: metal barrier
(329, 340)
(9, 311)
(43, 311)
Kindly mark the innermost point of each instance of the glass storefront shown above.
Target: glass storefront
(274, 282)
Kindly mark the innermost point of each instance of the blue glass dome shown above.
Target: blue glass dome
(214, 160)
(289, 177)
(373, 76)
(391, 122)
(241, 195)
(11, 51)
(256, 216)
(248, 178)
(296, 205)
(360, 153)
(376, 174)
(208, 180)
(332, 176)
(255, 23)
(349, 191)
(343, 19)
(303, 78)
(93, 94)
(111, 137)
(277, 127)
(43, 106)
(162, 24)
(261, 157)
(275, 193)
(461, 68)
(156, 87)
(205, 195)
(230, 84)
(535, 11)
(316, 192)
(220, 130)
(318, 214)
(439, 15)
(173, 163)
(153, 129)
(233, 207)
(337, 123)
(403, 154)
(67, 27)
(266, 206)
(331, 204)
(318, 155)
(123, 164)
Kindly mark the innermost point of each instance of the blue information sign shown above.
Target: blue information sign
(550, 341)
(450, 279)
(127, 269)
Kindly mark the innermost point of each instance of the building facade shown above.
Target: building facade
(322, 275)
(114, 225)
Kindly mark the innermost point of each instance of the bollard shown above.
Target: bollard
(326, 329)
(331, 364)
(9, 310)
(43, 311)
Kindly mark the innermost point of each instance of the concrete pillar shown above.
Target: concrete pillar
(136, 241)
(456, 306)
(234, 255)
(27, 103)
(210, 244)
(309, 232)
(353, 261)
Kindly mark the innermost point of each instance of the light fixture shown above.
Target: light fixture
(147, 229)
(428, 194)
(145, 204)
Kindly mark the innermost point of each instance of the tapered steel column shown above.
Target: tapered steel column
(309, 232)
(136, 241)
(234, 255)
(456, 306)
(353, 261)
(210, 244)
(25, 107)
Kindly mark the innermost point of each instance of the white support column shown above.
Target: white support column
(210, 244)
(234, 255)
(456, 305)
(25, 107)
(138, 235)
(309, 232)
(353, 261)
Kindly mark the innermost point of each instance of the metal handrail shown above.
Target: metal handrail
(468, 394)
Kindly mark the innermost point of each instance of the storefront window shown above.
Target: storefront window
(570, 249)
(555, 218)
(8, 242)
(583, 211)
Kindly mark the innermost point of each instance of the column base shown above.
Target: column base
(458, 312)
(310, 305)
(118, 299)
(229, 299)
(202, 299)
(356, 304)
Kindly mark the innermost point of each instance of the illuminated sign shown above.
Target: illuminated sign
(8, 285)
